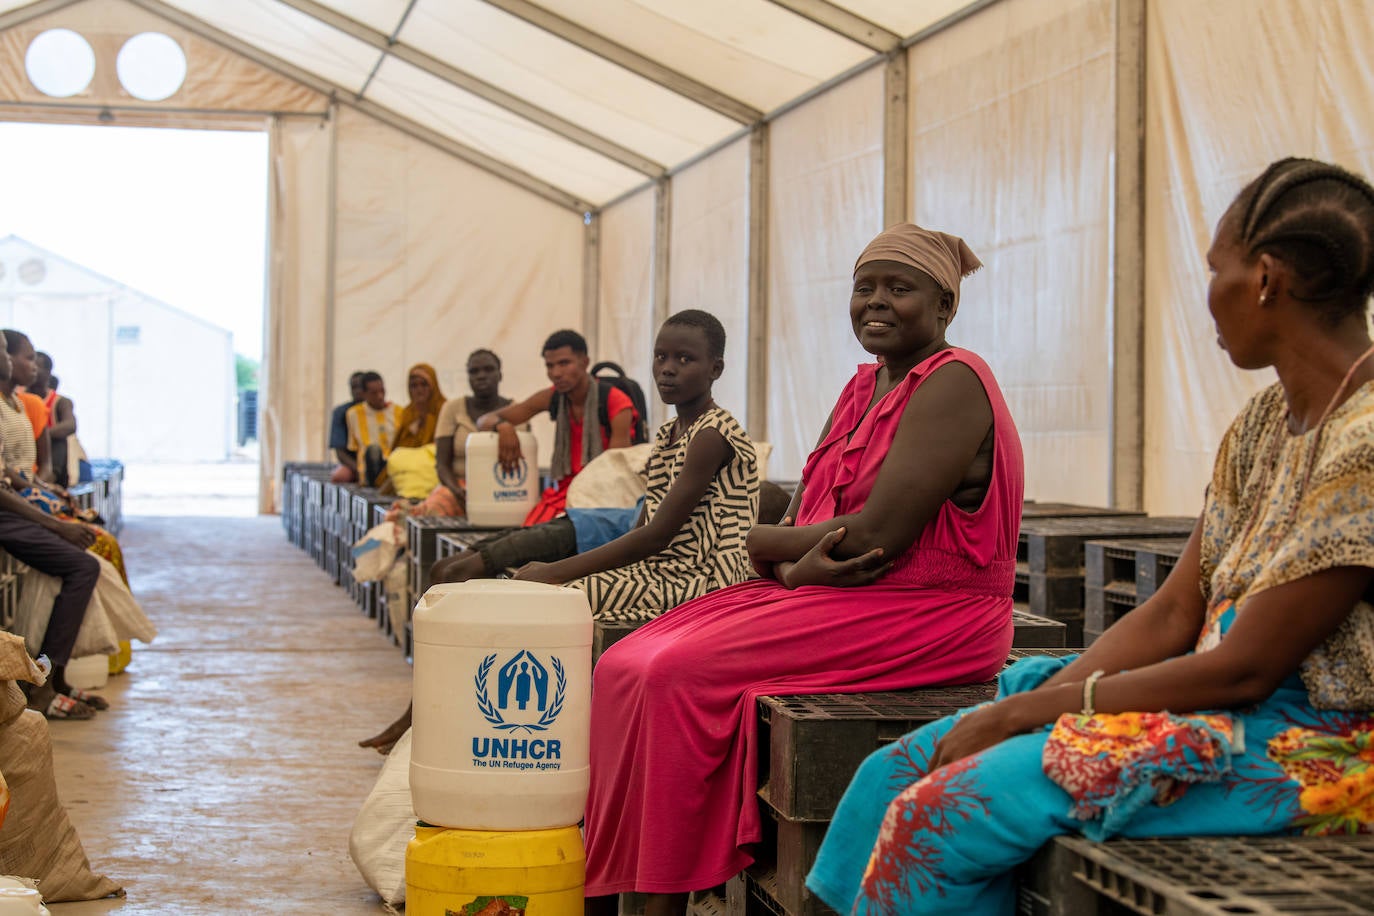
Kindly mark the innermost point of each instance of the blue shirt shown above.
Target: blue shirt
(338, 426)
(595, 527)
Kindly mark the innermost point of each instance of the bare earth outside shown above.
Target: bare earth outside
(208, 490)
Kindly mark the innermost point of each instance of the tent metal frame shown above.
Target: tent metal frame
(841, 21)
(636, 63)
(461, 79)
(343, 96)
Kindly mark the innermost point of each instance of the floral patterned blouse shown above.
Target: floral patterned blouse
(1281, 507)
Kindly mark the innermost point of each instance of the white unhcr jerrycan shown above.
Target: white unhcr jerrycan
(502, 714)
(498, 498)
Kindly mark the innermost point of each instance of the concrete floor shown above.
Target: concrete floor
(226, 776)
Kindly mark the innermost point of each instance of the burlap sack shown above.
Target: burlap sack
(15, 665)
(37, 839)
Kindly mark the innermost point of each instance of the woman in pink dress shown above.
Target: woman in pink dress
(898, 573)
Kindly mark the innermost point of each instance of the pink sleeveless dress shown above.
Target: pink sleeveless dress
(674, 750)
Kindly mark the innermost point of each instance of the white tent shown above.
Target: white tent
(459, 173)
(150, 382)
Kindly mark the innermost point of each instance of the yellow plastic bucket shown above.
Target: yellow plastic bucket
(495, 873)
(120, 660)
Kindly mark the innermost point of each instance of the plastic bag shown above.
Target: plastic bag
(375, 551)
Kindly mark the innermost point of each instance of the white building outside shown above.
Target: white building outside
(149, 381)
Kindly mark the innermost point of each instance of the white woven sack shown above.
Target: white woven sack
(375, 551)
(111, 616)
(385, 826)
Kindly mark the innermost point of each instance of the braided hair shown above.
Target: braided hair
(1318, 219)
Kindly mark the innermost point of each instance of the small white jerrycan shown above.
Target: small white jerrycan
(498, 498)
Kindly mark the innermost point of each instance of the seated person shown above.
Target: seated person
(411, 457)
(702, 498)
(372, 426)
(60, 550)
(1239, 698)
(574, 403)
(898, 573)
(61, 416)
(18, 452)
(347, 471)
(457, 418)
(24, 371)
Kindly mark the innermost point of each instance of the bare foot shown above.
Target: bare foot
(384, 740)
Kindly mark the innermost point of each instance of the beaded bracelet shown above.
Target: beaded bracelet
(1090, 692)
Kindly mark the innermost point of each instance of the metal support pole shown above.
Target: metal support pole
(758, 284)
(1126, 480)
(896, 140)
(663, 212)
(591, 280)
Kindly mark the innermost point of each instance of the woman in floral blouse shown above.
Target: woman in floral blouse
(1237, 700)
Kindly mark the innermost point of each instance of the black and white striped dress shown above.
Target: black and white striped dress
(708, 553)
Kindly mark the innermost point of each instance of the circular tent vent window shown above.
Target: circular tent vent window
(60, 63)
(151, 66)
(32, 271)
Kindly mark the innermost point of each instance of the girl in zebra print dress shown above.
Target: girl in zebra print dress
(702, 496)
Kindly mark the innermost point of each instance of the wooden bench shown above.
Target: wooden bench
(1120, 575)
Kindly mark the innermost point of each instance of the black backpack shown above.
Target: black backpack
(639, 433)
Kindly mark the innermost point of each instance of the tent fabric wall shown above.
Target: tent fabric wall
(709, 262)
(625, 300)
(1012, 148)
(1231, 88)
(435, 259)
(825, 205)
(294, 416)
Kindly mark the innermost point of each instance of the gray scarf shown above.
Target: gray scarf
(561, 464)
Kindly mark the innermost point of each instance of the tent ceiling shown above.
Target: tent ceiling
(589, 97)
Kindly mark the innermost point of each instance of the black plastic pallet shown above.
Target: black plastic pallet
(1121, 574)
(1050, 569)
(422, 534)
(1212, 876)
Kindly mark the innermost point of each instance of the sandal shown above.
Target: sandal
(59, 705)
(98, 703)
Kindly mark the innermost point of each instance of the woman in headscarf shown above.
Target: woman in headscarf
(1239, 699)
(898, 572)
(409, 468)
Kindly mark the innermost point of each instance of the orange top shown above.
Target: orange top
(38, 414)
(37, 411)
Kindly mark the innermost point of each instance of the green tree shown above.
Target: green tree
(247, 370)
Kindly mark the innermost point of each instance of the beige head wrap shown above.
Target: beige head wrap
(943, 256)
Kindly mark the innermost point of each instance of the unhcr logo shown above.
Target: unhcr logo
(511, 477)
(525, 690)
(510, 482)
